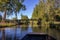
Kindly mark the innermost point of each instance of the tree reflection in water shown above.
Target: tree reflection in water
(16, 33)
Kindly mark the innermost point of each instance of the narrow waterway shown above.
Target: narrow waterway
(20, 31)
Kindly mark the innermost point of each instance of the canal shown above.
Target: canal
(19, 32)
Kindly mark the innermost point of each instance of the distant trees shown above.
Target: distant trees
(24, 19)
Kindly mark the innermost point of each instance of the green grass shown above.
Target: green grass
(7, 24)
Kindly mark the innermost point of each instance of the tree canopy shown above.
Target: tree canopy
(47, 9)
(24, 17)
(10, 6)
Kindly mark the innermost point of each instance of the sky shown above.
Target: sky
(30, 5)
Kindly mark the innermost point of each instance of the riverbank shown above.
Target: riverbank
(2, 25)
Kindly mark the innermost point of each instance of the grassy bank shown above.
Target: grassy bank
(7, 24)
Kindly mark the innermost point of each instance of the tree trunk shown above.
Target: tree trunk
(4, 16)
(16, 18)
(16, 15)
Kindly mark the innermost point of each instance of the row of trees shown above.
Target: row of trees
(24, 17)
(47, 10)
(10, 6)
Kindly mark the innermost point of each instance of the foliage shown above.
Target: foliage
(0, 17)
(46, 10)
(14, 19)
(39, 10)
(25, 18)
(7, 24)
(10, 6)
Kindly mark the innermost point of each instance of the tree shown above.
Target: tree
(10, 6)
(39, 10)
(24, 17)
(35, 13)
(0, 18)
(47, 10)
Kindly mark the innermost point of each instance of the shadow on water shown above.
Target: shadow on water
(19, 32)
(38, 37)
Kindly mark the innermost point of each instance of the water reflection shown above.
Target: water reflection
(16, 33)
